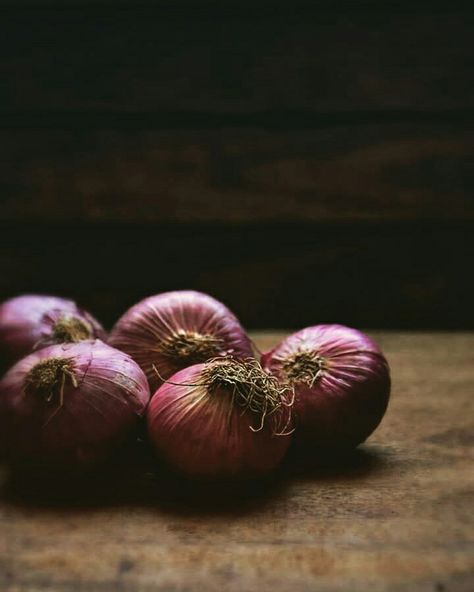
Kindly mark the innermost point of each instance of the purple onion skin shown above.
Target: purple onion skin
(143, 327)
(348, 400)
(27, 323)
(96, 416)
(193, 432)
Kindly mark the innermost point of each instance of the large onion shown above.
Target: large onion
(32, 321)
(173, 330)
(68, 405)
(223, 418)
(341, 381)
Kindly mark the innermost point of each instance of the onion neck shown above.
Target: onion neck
(303, 366)
(48, 378)
(69, 329)
(191, 347)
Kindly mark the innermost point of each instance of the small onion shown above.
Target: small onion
(225, 418)
(32, 321)
(341, 381)
(173, 330)
(68, 405)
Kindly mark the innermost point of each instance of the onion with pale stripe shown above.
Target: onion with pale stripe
(32, 321)
(67, 406)
(225, 418)
(170, 331)
(341, 381)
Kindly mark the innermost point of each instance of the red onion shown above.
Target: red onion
(341, 381)
(224, 418)
(33, 321)
(173, 330)
(68, 405)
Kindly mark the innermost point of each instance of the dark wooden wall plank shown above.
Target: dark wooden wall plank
(287, 275)
(354, 173)
(302, 165)
(147, 60)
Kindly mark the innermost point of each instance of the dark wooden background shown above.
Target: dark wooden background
(303, 164)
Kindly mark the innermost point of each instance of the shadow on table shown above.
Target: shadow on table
(335, 466)
(134, 478)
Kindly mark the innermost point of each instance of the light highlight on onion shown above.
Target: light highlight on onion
(33, 321)
(223, 418)
(69, 405)
(173, 330)
(341, 381)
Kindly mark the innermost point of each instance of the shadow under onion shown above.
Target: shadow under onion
(134, 478)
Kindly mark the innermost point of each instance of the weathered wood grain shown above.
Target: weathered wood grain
(397, 516)
(352, 173)
(223, 60)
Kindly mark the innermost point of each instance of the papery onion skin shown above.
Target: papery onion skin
(203, 434)
(101, 402)
(32, 321)
(348, 399)
(154, 330)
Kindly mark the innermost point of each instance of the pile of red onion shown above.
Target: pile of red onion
(70, 399)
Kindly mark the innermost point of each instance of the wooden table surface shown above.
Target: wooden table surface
(397, 515)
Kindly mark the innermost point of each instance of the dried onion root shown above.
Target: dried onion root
(253, 390)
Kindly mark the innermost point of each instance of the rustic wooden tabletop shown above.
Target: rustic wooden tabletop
(397, 515)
